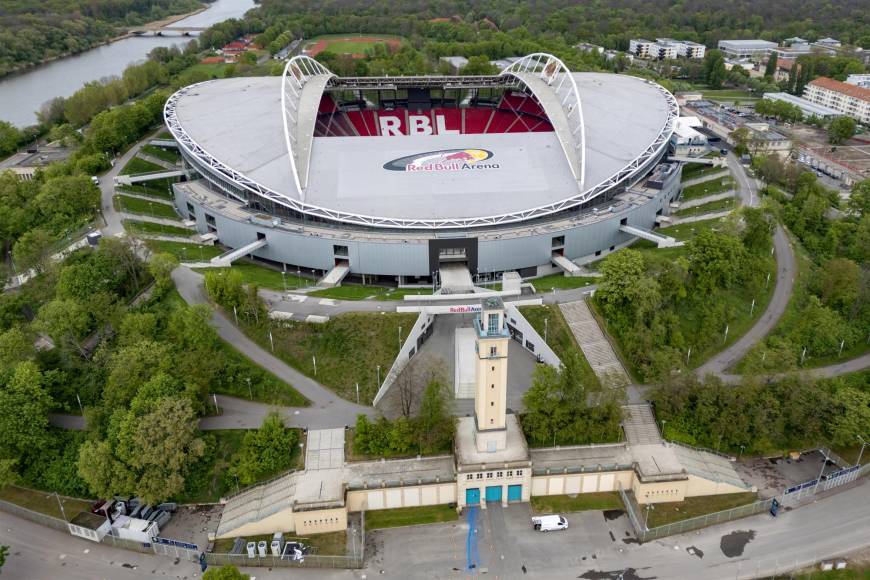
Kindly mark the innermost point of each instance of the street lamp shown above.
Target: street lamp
(545, 329)
(284, 280)
(822, 472)
(379, 376)
(250, 394)
(400, 339)
(863, 444)
(60, 505)
(649, 506)
(741, 452)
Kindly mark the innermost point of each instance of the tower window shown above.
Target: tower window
(493, 351)
(492, 404)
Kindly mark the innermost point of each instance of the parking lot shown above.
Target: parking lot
(500, 543)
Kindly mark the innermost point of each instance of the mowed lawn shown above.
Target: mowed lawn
(357, 292)
(413, 516)
(349, 43)
(710, 207)
(43, 502)
(136, 205)
(146, 228)
(668, 513)
(185, 252)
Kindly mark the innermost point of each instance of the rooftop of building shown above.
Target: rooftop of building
(748, 43)
(842, 88)
(469, 458)
(806, 105)
(623, 117)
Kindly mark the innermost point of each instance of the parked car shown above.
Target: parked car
(549, 523)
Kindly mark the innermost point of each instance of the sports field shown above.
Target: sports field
(354, 45)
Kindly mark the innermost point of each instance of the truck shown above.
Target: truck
(549, 523)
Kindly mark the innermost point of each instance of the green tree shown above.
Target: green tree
(130, 367)
(64, 320)
(716, 260)
(478, 65)
(853, 419)
(264, 451)
(740, 137)
(10, 138)
(859, 199)
(714, 69)
(841, 129)
(15, 347)
(840, 283)
(33, 249)
(224, 573)
(770, 68)
(24, 406)
(161, 266)
(434, 423)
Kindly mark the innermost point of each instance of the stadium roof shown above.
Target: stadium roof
(233, 127)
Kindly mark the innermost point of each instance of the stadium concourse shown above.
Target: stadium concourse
(533, 170)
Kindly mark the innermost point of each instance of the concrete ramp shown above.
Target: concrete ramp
(164, 143)
(150, 176)
(227, 258)
(334, 277)
(659, 240)
(711, 467)
(594, 344)
(464, 368)
(567, 266)
(455, 279)
(714, 161)
(257, 503)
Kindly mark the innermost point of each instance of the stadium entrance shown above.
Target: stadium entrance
(454, 262)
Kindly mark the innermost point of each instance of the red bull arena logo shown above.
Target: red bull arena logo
(444, 160)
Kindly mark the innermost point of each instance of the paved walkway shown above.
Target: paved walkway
(595, 346)
(786, 271)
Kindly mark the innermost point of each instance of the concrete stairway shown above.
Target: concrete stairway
(639, 424)
(594, 344)
(227, 258)
(334, 277)
(567, 266)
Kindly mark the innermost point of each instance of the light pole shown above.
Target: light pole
(860, 453)
(250, 393)
(60, 505)
(649, 506)
(400, 339)
(284, 280)
(545, 329)
(663, 427)
(741, 452)
(822, 472)
(379, 376)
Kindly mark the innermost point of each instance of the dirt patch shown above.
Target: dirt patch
(626, 574)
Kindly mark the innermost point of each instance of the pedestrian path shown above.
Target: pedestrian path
(639, 424)
(594, 344)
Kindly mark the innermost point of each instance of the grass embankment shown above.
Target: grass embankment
(43, 501)
(137, 165)
(265, 387)
(413, 516)
(707, 188)
(151, 228)
(792, 318)
(159, 188)
(262, 276)
(698, 170)
(559, 335)
(561, 282)
(357, 292)
(729, 203)
(329, 544)
(668, 513)
(168, 155)
(690, 230)
(348, 348)
(154, 208)
(555, 504)
(185, 252)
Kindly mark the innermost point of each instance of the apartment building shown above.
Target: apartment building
(666, 48)
(846, 98)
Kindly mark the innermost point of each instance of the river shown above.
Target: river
(22, 94)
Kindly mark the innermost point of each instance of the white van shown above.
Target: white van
(549, 523)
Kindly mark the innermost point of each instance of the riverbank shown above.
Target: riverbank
(154, 24)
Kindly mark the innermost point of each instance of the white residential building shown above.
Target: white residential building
(739, 49)
(685, 48)
(666, 48)
(642, 47)
(832, 42)
(851, 100)
(862, 81)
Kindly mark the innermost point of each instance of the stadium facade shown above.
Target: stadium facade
(394, 176)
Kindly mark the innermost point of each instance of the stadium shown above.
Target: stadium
(392, 179)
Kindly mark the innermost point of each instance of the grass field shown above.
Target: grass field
(357, 292)
(262, 276)
(348, 348)
(413, 516)
(668, 513)
(265, 387)
(161, 193)
(690, 230)
(329, 544)
(139, 227)
(560, 282)
(141, 206)
(169, 155)
(556, 504)
(137, 165)
(185, 252)
(707, 188)
(559, 336)
(43, 501)
(696, 170)
(349, 43)
(710, 207)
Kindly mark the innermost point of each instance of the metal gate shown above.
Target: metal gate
(176, 549)
(493, 493)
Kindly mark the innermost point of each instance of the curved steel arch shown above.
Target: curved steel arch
(567, 120)
(299, 112)
(632, 170)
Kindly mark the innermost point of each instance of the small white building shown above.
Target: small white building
(90, 526)
(829, 42)
(642, 47)
(135, 529)
(687, 141)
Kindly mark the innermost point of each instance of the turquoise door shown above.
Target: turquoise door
(515, 493)
(472, 496)
(493, 493)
